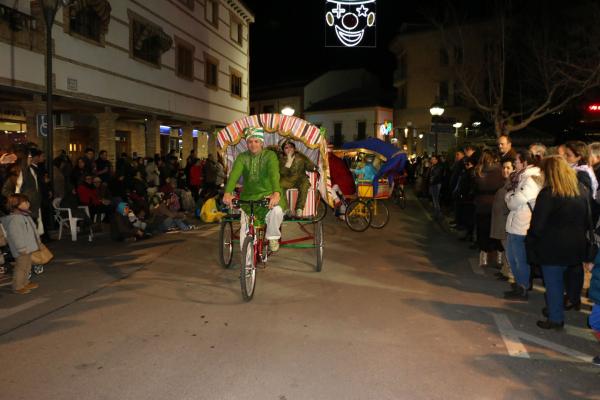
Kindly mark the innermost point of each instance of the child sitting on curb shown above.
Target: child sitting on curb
(23, 240)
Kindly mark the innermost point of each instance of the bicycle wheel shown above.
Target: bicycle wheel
(399, 197)
(319, 245)
(380, 215)
(226, 241)
(248, 269)
(358, 216)
(321, 211)
(402, 199)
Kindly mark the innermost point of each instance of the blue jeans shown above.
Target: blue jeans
(169, 223)
(554, 279)
(517, 258)
(434, 190)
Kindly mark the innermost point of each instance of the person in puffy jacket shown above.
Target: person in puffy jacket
(526, 183)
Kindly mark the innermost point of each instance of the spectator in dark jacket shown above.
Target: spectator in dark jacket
(436, 177)
(488, 179)
(465, 196)
(577, 155)
(557, 234)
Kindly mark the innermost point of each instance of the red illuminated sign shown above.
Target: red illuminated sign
(594, 108)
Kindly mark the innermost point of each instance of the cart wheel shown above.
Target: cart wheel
(321, 211)
(226, 244)
(319, 245)
(248, 269)
(358, 216)
(399, 198)
(38, 269)
(3, 269)
(380, 215)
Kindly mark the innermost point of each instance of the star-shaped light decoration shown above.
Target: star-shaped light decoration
(362, 11)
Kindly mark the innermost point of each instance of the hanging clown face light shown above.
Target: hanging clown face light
(350, 23)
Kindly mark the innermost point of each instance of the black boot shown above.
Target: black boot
(547, 324)
(519, 293)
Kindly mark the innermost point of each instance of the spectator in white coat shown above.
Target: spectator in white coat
(526, 183)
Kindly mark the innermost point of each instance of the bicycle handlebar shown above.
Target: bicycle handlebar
(236, 203)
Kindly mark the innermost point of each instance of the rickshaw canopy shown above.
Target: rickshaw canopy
(394, 160)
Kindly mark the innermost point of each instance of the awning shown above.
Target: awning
(100, 7)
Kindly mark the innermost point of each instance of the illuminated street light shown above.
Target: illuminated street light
(420, 136)
(436, 110)
(289, 111)
(476, 124)
(458, 125)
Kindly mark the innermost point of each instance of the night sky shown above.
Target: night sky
(287, 41)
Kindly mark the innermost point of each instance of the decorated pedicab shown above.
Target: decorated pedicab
(367, 208)
(255, 251)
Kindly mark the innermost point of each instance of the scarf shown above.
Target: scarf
(289, 161)
(515, 178)
(18, 211)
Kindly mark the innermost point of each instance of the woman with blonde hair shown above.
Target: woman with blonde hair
(557, 234)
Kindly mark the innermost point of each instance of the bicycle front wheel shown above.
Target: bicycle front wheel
(358, 216)
(321, 210)
(319, 245)
(226, 244)
(380, 215)
(248, 269)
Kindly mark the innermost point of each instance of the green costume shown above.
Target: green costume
(261, 178)
(295, 176)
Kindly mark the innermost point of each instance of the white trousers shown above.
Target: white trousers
(274, 218)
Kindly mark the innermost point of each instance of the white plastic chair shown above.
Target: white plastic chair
(64, 217)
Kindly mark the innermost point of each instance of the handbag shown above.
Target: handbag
(41, 256)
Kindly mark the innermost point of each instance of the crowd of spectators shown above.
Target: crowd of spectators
(536, 210)
(137, 196)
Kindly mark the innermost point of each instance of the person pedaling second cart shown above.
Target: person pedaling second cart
(259, 168)
(293, 167)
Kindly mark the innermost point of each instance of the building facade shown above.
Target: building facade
(430, 66)
(349, 104)
(130, 76)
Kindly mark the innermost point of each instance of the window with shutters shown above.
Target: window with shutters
(211, 12)
(211, 76)
(236, 83)
(184, 59)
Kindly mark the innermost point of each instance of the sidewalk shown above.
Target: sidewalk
(82, 268)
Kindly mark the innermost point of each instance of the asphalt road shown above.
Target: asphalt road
(398, 313)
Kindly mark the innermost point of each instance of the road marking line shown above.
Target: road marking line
(14, 310)
(511, 340)
(556, 347)
(474, 263)
(581, 333)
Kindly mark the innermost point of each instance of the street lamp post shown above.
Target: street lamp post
(436, 110)
(457, 126)
(49, 9)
